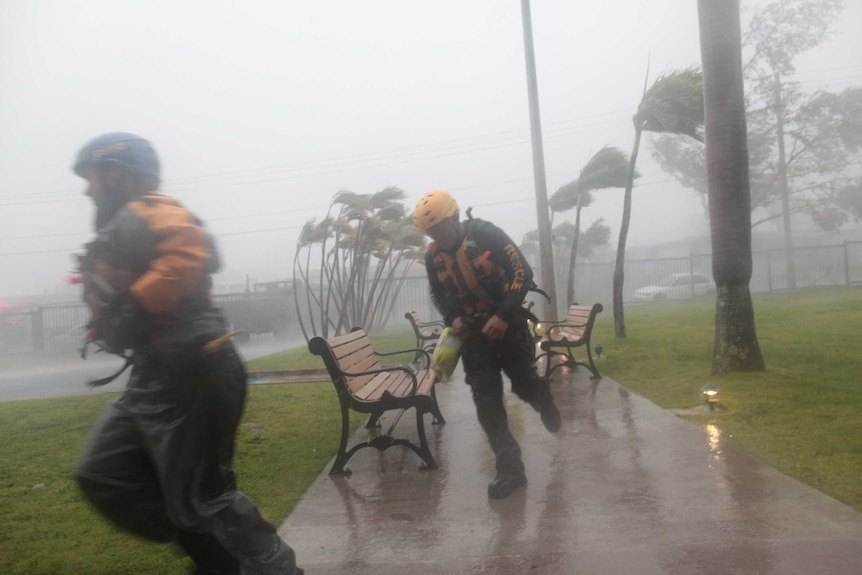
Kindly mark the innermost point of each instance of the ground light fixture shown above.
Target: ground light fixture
(710, 395)
(599, 348)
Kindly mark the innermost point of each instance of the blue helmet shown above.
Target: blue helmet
(133, 153)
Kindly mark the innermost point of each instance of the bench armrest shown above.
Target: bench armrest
(415, 351)
(418, 325)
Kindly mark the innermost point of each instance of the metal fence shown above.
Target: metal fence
(50, 328)
(838, 265)
(270, 315)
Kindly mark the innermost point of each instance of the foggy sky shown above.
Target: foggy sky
(262, 110)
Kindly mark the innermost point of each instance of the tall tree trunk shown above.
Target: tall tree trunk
(573, 256)
(735, 347)
(619, 318)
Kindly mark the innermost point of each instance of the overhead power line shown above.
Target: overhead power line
(293, 227)
(327, 166)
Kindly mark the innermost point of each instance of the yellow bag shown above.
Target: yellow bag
(447, 352)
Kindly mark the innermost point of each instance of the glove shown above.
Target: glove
(122, 325)
(447, 352)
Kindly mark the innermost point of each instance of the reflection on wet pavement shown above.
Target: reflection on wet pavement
(625, 487)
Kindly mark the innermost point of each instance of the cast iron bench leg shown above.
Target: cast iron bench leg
(424, 452)
(342, 456)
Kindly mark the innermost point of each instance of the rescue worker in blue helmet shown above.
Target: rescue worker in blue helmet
(159, 462)
(478, 279)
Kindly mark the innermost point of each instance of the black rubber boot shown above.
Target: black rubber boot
(550, 414)
(548, 410)
(507, 453)
(510, 473)
(505, 484)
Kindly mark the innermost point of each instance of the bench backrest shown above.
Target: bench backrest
(424, 330)
(580, 318)
(351, 352)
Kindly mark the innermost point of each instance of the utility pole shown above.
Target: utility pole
(546, 254)
(782, 181)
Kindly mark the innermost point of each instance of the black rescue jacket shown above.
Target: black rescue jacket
(485, 274)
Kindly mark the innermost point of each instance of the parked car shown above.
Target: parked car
(676, 286)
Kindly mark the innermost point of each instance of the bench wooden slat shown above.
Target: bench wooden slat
(404, 386)
(356, 348)
(341, 340)
(373, 390)
(367, 363)
(395, 384)
(427, 382)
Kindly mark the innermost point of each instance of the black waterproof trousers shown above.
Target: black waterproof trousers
(483, 360)
(159, 464)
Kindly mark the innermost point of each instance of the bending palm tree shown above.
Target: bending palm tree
(673, 104)
(608, 168)
(366, 245)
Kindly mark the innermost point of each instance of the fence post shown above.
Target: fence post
(691, 274)
(769, 271)
(846, 265)
(38, 330)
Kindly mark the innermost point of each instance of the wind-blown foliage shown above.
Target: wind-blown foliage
(673, 104)
(804, 148)
(366, 245)
(608, 168)
(596, 235)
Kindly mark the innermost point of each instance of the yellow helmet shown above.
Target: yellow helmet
(432, 207)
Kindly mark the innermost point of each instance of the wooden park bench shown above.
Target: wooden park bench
(570, 333)
(427, 333)
(365, 386)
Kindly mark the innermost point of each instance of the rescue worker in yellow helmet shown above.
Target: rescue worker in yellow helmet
(478, 279)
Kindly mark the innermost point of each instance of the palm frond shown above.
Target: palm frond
(598, 234)
(674, 104)
(391, 212)
(315, 232)
(565, 198)
(608, 168)
(563, 234)
(306, 235)
(386, 196)
(345, 197)
(531, 237)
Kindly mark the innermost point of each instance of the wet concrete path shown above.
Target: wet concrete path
(624, 488)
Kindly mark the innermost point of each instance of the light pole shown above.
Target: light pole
(546, 255)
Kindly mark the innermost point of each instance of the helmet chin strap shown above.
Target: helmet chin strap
(106, 209)
(460, 233)
(113, 199)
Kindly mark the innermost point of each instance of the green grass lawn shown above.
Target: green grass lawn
(288, 435)
(800, 416)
